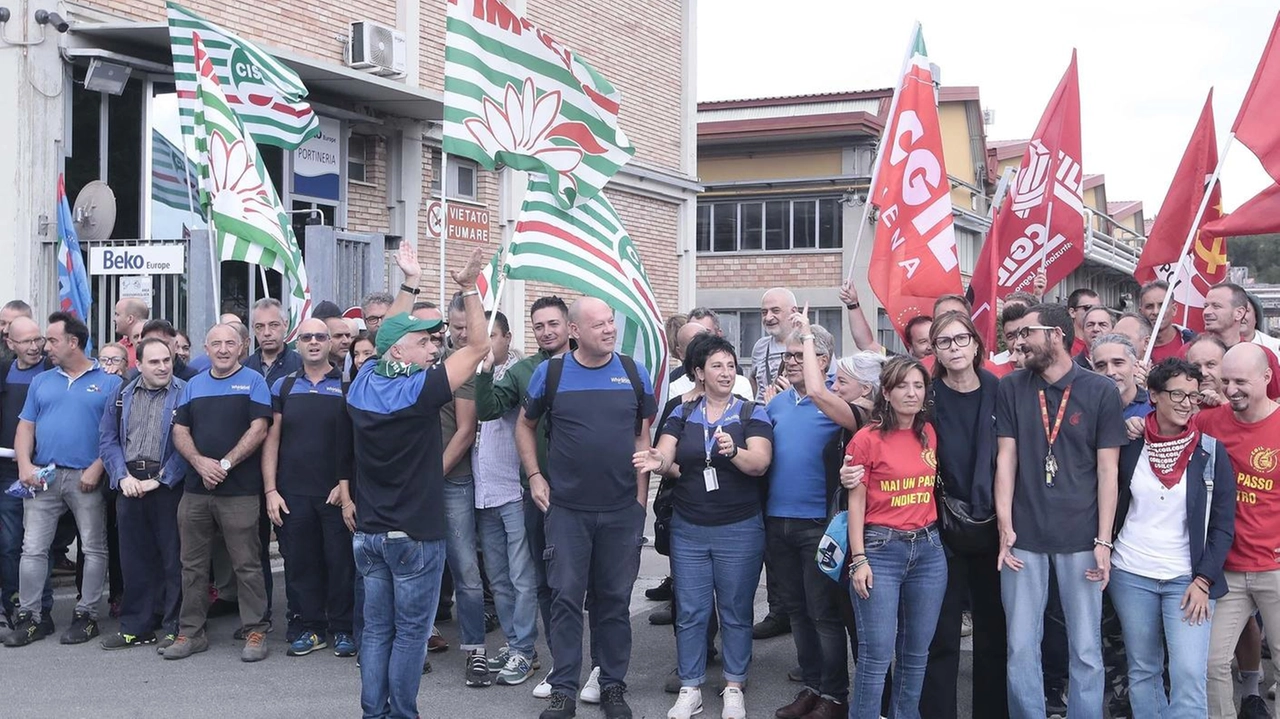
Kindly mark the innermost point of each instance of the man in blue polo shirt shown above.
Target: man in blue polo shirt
(594, 498)
(306, 462)
(399, 543)
(59, 426)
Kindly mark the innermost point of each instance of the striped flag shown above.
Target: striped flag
(489, 280)
(515, 96)
(265, 92)
(74, 294)
(587, 250)
(173, 176)
(245, 215)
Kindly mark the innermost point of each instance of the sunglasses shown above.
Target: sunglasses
(313, 336)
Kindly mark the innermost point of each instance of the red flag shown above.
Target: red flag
(1044, 211)
(914, 259)
(1256, 126)
(1258, 216)
(1207, 264)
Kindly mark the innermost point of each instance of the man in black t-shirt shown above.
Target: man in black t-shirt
(221, 421)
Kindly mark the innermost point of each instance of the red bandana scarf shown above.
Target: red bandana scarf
(1169, 456)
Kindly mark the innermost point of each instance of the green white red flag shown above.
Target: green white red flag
(586, 249)
(246, 217)
(489, 280)
(264, 92)
(515, 96)
(914, 258)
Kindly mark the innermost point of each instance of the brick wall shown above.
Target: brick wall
(456, 253)
(794, 269)
(367, 201)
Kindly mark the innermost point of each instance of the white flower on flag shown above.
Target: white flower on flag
(526, 123)
(238, 190)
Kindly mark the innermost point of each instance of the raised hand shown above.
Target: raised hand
(466, 277)
(407, 259)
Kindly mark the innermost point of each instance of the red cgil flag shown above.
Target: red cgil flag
(914, 258)
(1257, 125)
(1044, 211)
(1206, 265)
(1259, 216)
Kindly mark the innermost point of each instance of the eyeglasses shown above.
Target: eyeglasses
(33, 342)
(112, 361)
(961, 340)
(373, 319)
(798, 356)
(1177, 396)
(1025, 332)
(316, 336)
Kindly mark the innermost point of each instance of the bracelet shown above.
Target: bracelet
(537, 474)
(853, 306)
(468, 293)
(273, 489)
(806, 337)
(348, 504)
(410, 290)
(1103, 543)
(859, 554)
(735, 453)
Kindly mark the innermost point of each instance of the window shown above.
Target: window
(887, 334)
(462, 178)
(770, 225)
(359, 148)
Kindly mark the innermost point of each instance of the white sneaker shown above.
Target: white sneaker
(734, 705)
(689, 703)
(591, 690)
(543, 690)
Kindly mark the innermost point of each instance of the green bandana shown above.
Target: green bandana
(388, 367)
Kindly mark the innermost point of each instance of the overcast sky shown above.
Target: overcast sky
(1145, 68)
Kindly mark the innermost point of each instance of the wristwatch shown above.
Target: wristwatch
(410, 290)
(853, 305)
(225, 464)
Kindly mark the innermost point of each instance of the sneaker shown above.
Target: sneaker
(1055, 702)
(543, 688)
(343, 645)
(735, 706)
(1254, 707)
(255, 647)
(614, 702)
(966, 625)
(184, 646)
(660, 593)
(83, 628)
(165, 642)
(662, 617)
(26, 629)
(306, 643)
(120, 640)
(517, 670)
(46, 623)
(689, 703)
(499, 660)
(437, 643)
(242, 634)
(477, 674)
(561, 707)
(590, 692)
(773, 625)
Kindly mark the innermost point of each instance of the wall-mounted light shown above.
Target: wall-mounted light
(4, 15)
(108, 77)
(49, 17)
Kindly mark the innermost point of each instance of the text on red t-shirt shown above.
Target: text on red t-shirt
(900, 476)
(1254, 449)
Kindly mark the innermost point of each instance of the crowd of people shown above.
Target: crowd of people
(1104, 527)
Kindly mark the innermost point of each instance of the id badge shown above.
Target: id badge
(709, 477)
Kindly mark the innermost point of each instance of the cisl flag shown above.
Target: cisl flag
(1043, 217)
(914, 258)
(1162, 254)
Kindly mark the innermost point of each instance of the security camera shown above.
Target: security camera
(46, 17)
(4, 15)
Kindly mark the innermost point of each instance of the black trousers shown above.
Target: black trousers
(150, 560)
(973, 578)
(319, 565)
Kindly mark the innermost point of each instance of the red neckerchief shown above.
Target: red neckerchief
(1169, 456)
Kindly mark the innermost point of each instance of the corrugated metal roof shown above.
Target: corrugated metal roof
(796, 110)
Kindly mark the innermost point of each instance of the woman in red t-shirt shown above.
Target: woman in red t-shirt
(898, 566)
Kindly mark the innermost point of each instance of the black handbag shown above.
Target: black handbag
(961, 533)
(664, 507)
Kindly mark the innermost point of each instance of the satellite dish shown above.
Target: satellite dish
(94, 213)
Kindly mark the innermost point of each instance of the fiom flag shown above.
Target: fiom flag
(1259, 216)
(74, 294)
(914, 258)
(1256, 125)
(264, 92)
(515, 96)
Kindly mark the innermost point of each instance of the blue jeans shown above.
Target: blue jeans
(402, 587)
(460, 516)
(1149, 608)
(909, 580)
(511, 576)
(11, 550)
(1025, 593)
(720, 565)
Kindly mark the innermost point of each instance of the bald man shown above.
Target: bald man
(1249, 427)
(776, 306)
(129, 316)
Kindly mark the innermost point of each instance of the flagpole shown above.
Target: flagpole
(214, 266)
(1186, 246)
(444, 222)
(875, 163)
(1044, 248)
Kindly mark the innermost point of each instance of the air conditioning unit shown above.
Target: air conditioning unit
(377, 48)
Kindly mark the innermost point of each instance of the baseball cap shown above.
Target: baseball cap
(397, 326)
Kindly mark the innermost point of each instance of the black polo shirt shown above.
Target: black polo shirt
(218, 413)
(315, 433)
(399, 456)
(1062, 518)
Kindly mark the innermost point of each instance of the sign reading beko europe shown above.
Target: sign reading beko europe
(317, 163)
(141, 260)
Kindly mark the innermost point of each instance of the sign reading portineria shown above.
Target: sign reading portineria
(139, 260)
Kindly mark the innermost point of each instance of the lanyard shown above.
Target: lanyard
(708, 437)
(1051, 431)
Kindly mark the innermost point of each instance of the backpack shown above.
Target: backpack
(555, 368)
(664, 501)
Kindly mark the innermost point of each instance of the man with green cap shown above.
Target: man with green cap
(400, 524)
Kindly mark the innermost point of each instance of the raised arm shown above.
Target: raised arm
(863, 336)
(815, 383)
(461, 365)
(407, 259)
